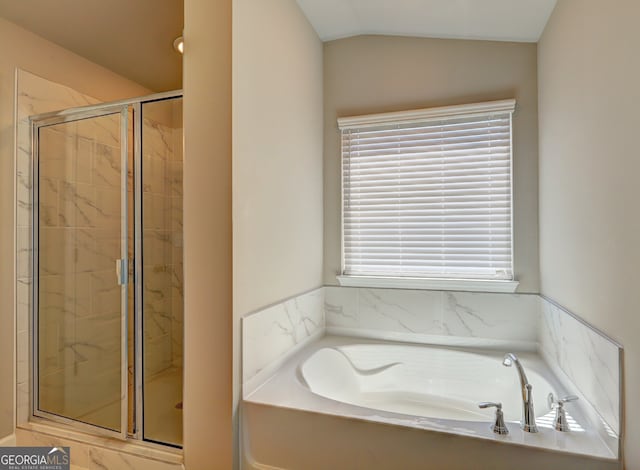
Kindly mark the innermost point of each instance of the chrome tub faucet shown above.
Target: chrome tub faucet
(528, 422)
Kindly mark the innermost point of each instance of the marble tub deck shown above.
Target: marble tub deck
(284, 389)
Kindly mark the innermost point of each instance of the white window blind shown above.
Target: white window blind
(427, 193)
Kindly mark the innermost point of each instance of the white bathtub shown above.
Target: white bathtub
(431, 382)
(378, 394)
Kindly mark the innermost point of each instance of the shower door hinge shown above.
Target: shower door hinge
(122, 271)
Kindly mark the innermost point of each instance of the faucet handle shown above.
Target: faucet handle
(498, 427)
(560, 422)
(553, 403)
(567, 399)
(489, 404)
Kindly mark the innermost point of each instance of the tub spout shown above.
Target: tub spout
(528, 422)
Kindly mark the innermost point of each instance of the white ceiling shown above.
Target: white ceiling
(498, 20)
(131, 37)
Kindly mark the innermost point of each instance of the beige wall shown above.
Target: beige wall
(22, 49)
(372, 74)
(277, 158)
(589, 165)
(207, 235)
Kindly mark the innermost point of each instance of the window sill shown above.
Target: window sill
(467, 285)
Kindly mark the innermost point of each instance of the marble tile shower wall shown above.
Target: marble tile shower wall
(79, 231)
(177, 279)
(34, 96)
(80, 223)
(162, 212)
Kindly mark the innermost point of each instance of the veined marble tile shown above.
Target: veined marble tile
(157, 354)
(157, 210)
(589, 359)
(65, 295)
(158, 323)
(22, 368)
(79, 452)
(77, 205)
(23, 157)
(103, 129)
(400, 310)
(23, 301)
(341, 306)
(68, 250)
(158, 137)
(63, 155)
(157, 246)
(107, 208)
(176, 154)
(268, 334)
(435, 313)
(176, 218)
(177, 312)
(49, 197)
(174, 177)
(154, 176)
(106, 166)
(94, 336)
(23, 255)
(495, 316)
(157, 289)
(104, 459)
(37, 95)
(106, 294)
(22, 402)
(308, 310)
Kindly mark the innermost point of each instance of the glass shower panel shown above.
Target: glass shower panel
(162, 291)
(80, 300)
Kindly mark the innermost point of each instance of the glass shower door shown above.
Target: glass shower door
(81, 293)
(161, 292)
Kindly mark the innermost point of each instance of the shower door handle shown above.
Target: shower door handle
(122, 271)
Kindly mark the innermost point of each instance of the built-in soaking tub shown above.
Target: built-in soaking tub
(338, 386)
(422, 381)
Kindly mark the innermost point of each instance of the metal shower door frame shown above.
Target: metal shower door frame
(123, 108)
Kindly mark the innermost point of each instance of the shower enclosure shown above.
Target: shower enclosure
(108, 283)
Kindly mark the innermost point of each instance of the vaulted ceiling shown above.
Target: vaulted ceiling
(500, 20)
(133, 38)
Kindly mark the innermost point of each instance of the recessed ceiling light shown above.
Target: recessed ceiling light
(178, 44)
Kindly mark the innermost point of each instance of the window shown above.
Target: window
(427, 194)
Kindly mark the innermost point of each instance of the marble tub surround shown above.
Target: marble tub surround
(590, 360)
(583, 361)
(437, 317)
(272, 334)
(285, 391)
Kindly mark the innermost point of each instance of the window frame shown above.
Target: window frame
(416, 116)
